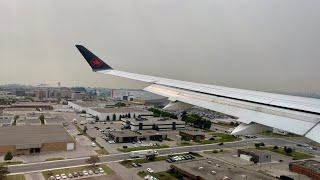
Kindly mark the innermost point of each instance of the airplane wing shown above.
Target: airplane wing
(256, 110)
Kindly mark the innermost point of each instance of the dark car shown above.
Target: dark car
(96, 171)
(220, 144)
(139, 165)
(80, 173)
(75, 174)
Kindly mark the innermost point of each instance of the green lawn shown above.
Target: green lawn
(160, 175)
(46, 174)
(55, 159)
(271, 134)
(8, 163)
(142, 148)
(102, 151)
(15, 177)
(296, 155)
(220, 137)
(127, 163)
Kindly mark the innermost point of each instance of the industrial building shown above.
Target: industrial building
(125, 136)
(207, 168)
(6, 119)
(310, 168)
(106, 114)
(23, 140)
(155, 123)
(84, 106)
(254, 155)
(189, 135)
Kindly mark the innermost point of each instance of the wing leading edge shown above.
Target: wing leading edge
(299, 115)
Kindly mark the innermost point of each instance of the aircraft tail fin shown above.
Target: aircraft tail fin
(95, 62)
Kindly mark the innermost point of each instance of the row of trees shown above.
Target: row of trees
(160, 113)
(197, 121)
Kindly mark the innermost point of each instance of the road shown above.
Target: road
(36, 167)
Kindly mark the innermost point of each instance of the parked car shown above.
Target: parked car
(70, 175)
(101, 170)
(52, 178)
(96, 171)
(139, 165)
(58, 177)
(80, 173)
(90, 172)
(63, 176)
(75, 174)
(85, 173)
(149, 170)
(93, 144)
(134, 164)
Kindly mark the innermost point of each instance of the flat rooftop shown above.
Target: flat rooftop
(119, 110)
(124, 133)
(255, 151)
(24, 135)
(310, 164)
(151, 132)
(152, 120)
(203, 167)
(93, 103)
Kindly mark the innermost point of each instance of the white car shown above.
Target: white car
(63, 176)
(85, 173)
(58, 177)
(149, 170)
(93, 144)
(90, 172)
(101, 170)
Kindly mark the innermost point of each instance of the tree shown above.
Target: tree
(108, 118)
(257, 145)
(3, 171)
(134, 115)
(151, 157)
(85, 129)
(288, 150)
(275, 147)
(8, 156)
(97, 118)
(41, 117)
(93, 160)
(114, 117)
(120, 104)
(129, 115)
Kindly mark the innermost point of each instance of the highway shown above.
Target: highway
(40, 166)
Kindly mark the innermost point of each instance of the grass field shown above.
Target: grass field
(15, 177)
(55, 159)
(127, 163)
(296, 155)
(142, 148)
(220, 137)
(271, 134)
(46, 174)
(102, 151)
(8, 163)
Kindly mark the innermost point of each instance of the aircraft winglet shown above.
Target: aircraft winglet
(95, 62)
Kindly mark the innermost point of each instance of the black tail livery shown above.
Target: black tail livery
(96, 63)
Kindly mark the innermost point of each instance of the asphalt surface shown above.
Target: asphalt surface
(36, 167)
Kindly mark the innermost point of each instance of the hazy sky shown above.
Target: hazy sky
(269, 45)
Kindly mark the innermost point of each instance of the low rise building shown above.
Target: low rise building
(6, 120)
(23, 140)
(254, 155)
(207, 168)
(188, 135)
(84, 106)
(155, 123)
(310, 168)
(125, 136)
(113, 114)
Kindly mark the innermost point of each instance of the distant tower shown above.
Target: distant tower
(59, 84)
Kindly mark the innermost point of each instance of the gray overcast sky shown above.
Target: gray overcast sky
(267, 45)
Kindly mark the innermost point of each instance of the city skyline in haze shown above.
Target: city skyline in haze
(236, 44)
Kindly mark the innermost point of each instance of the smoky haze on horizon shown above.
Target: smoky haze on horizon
(265, 45)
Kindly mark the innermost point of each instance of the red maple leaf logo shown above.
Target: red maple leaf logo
(96, 62)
